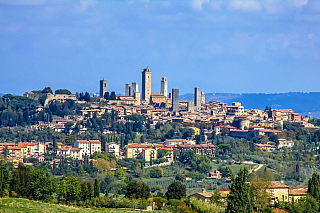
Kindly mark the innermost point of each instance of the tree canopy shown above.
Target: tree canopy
(137, 189)
(239, 199)
(176, 190)
(62, 91)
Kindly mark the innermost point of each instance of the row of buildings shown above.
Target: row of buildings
(276, 191)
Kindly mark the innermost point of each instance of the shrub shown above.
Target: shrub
(175, 202)
(202, 207)
(159, 202)
(180, 177)
(6, 193)
(156, 172)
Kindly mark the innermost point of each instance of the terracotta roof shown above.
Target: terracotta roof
(238, 130)
(138, 146)
(7, 144)
(147, 148)
(256, 127)
(14, 148)
(75, 149)
(177, 140)
(65, 148)
(198, 146)
(263, 145)
(232, 127)
(90, 141)
(269, 130)
(299, 187)
(111, 143)
(277, 184)
(224, 193)
(27, 144)
(298, 192)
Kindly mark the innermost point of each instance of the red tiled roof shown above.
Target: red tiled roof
(89, 141)
(238, 130)
(7, 144)
(14, 147)
(263, 145)
(138, 146)
(177, 140)
(269, 130)
(277, 184)
(110, 143)
(232, 127)
(298, 192)
(65, 148)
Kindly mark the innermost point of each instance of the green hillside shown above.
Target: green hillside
(17, 205)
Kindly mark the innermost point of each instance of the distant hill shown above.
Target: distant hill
(298, 101)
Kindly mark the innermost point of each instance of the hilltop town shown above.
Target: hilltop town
(157, 138)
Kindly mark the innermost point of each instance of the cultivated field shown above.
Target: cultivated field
(16, 205)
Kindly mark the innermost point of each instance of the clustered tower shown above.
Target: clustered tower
(103, 87)
(133, 90)
(197, 99)
(175, 100)
(164, 86)
(127, 91)
(146, 84)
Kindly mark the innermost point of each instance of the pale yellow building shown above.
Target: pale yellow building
(149, 153)
(265, 147)
(278, 192)
(134, 150)
(235, 109)
(297, 192)
(88, 147)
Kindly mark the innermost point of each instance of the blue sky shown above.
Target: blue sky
(238, 46)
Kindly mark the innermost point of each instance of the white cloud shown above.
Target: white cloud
(249, 5)
(297, 3)
(240, 42)
(272, 6)
(84, 5)
(314, 5)
(197, 4)
(215, 5)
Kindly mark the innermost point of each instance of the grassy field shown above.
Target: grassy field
(17, 205)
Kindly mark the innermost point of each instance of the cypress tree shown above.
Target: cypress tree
(54, 144)
(314, 186)
(96, 188)
(4, 179)
(54, 168)
(239, 199)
